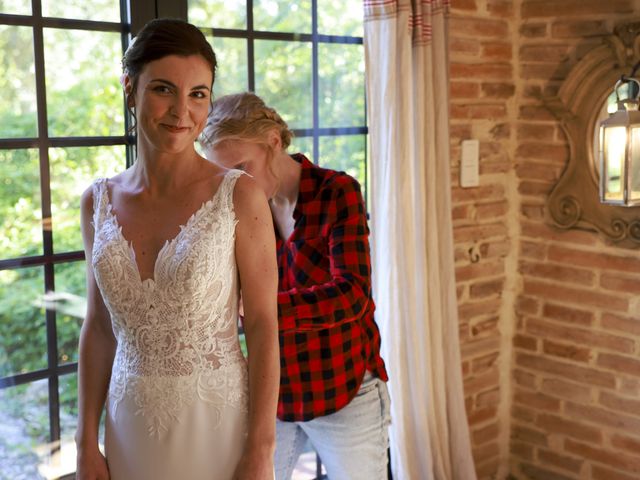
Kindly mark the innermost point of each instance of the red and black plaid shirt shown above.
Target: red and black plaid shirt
(328, 336)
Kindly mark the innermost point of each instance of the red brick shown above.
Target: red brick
(575, 373)
(620, 283)
(535, 188)
(604, 417)
(487, 470)
(608, 457)
(459, 132)
(571, 8)
(525, 342)
(484, 327)
(620, 404)
(549, 153)
(560, 273)
(528, 435)
(533, 250)
(624, 324)
(488, 111)
(475, 384)
(491, 288)
(532, 170)
(568, 314)
(475, 233)
(527, 305)
(465, 90)
(497, 51)
(518, 412)
(532, 212)
(481, 71)
(565, 462)
(486, 434)
(524, 379)
(482, 415)
(602, 473)
(483, 192)
(627, 365)
(463, 47)
(626, 443)
(534, 131)
(534, 472)
(540, 231)
(599, 260)
(484, 363)
(563, 350)
(568, 390)
(539, 401)
(533, 30)
(581, 336)
(543, 53)
(535, 112)
(498, 90)
(480, 269)
(578, 29)
(479, 27)
(488, 398)
(583, 297)
(463, 4)
(500, 131)
(485, 452)
(560, 425)
(522, 450)
(488, 211)
(544, 71)
(500, 8)
(479, 346)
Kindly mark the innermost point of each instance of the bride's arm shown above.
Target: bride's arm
(256, 259)
(97, 347)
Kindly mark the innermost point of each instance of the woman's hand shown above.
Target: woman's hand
(92, 466)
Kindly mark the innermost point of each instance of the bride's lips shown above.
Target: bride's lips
(174, 129)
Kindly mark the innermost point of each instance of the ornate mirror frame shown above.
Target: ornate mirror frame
(574, 201)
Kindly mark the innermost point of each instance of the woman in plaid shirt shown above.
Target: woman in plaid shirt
(332, 386)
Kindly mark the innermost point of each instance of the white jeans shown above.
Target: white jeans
(352, 442)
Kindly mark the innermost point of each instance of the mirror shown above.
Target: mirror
(585, 98)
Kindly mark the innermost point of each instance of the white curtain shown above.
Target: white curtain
(412, 238)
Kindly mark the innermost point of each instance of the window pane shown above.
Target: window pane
(72, 171)
(18, 116)
(302, 145)
(24, 430)
(16, 7)
(20, 213)
(218, 13)
(283, 80)
(23, 338)
(282, 15)
(231, 74)
(84, 95)
(345, 153)
(69, 301)
(338, 17)
(97, 10)
(341, 79)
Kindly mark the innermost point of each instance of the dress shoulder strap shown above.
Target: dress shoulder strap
(227, 187)
(100, 201)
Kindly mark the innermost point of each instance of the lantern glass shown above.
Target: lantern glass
(634, 165)
(614, 147)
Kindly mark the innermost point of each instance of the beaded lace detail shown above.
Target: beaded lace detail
(176, 332)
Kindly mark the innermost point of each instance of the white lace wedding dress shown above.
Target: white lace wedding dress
(178, 396)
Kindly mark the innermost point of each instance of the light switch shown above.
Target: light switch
(469, 163)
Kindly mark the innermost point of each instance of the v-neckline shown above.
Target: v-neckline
(150, 281)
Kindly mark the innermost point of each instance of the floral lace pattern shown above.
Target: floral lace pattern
(176, 332)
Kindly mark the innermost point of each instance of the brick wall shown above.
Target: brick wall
(549, 319)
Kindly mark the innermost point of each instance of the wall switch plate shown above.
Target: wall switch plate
(469, 164)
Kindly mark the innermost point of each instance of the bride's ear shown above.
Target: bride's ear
(127, 86)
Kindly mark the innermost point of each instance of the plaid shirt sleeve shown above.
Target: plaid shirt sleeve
(345, 297)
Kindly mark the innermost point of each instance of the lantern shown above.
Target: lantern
(620, 150)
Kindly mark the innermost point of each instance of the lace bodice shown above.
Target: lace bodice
(177, 332)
